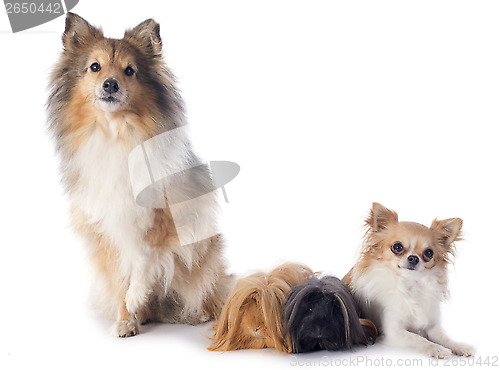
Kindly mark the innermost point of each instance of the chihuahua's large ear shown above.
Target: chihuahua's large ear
(447, 231)
(78, 32)
(380, 217)
(147, 36)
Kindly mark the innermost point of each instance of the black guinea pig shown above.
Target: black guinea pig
(321, 314)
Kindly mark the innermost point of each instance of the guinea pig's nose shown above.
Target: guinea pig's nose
(111, 86)
(413, 260)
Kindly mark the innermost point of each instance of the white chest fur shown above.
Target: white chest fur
(408, 297)
(103, 191)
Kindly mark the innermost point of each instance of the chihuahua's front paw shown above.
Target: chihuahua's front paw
(438, 351)
(126, 328)
(461, 349)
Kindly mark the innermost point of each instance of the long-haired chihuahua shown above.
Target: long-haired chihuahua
(401, 278)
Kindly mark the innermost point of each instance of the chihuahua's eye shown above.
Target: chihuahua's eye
(129, 71)
(397, 248)
(428, 254)
(95, 67)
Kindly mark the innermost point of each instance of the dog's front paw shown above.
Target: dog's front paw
(462, 349)
(135, 299)
(126, 328)
(437, 351)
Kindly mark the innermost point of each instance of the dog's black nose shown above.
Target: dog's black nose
(413, 260)
(111, 86)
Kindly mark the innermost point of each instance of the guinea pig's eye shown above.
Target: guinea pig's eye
(428, 254)
(309, 309)
(397, 248)
(95, 67)
(129, 71)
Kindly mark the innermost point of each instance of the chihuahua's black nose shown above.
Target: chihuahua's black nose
(413, 260)
(111, 86)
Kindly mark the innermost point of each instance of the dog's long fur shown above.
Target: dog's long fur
(144, 273)
(321, 314)
(401, 277)
(252, 317)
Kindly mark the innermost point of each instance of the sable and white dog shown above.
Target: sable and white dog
(107, 96)
(401, 278)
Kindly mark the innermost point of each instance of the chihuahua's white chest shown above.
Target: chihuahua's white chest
(407, 298)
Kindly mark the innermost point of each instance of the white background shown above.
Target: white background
(326, 105)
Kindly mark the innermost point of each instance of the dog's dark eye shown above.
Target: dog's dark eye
(428, 253)
(397, 248)
(95, 67)
(129, 71)
(309, 309)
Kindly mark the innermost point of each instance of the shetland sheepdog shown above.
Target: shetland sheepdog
(107, 96)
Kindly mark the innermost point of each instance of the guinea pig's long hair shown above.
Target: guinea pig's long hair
(252, 316)
(321, 314)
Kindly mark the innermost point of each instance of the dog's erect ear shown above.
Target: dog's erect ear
(147, 36)
(380, 217)
(78, 32)
(447, 231)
